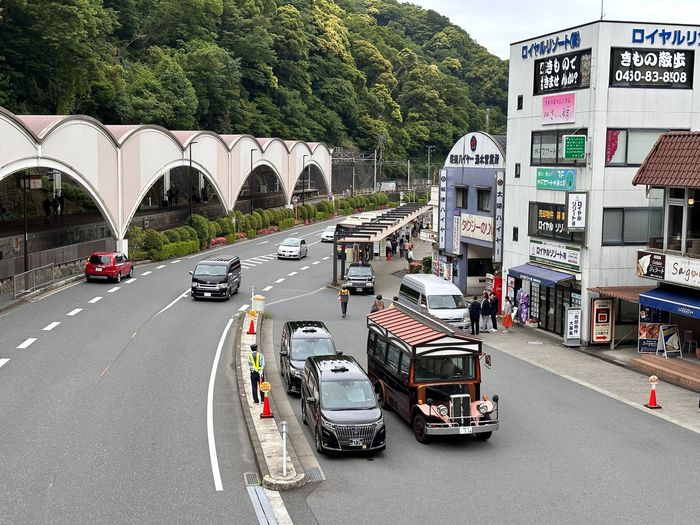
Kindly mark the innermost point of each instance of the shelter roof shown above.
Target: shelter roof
(673, 161)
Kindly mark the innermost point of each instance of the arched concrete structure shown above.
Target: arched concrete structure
(118, 164)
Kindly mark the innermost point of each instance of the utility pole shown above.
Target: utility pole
(375, 171)
(408, 171)
(352, 193)
(430, 149)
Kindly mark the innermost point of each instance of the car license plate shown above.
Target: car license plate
(465, 430)
(98, 269)
(207, 294)
(358, 289)
(357, 442)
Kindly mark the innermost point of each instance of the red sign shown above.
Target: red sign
(602, 321)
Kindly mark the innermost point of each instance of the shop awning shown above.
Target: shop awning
(626, 293)
(681, 301)
(539, 274)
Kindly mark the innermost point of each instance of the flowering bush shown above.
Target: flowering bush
(218, 241)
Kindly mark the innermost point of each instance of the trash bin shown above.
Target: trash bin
(259, 303)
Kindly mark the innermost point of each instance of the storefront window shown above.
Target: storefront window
(674, 228)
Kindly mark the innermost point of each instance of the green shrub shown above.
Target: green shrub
(225, 225)
(201, 227)
(183, 233)
(191, 232)
(211, 231)
(321, 216)
(137, 255)
(250, 233)
(301, 210)
(258, 224)
(310, 211)
(136, 237)
(172, 235)
(427, 264)
(231, 238)
(175, 249)
(285, 224)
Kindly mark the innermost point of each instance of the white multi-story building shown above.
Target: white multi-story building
(573, 219)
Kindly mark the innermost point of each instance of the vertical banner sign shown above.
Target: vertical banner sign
(576, 206)
(572, 334)
(456, 223)
(498, 219)
(441, 214)
(602, 315)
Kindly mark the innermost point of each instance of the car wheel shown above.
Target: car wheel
(303, 410)
(287, 385)
(420, 430)
(238, 286)
(87, 278)
(119, 277)
(131, 272)
(319, 444)
(484, 436)
(383, 402)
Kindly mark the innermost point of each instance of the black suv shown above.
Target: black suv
(302, 339)
(216, 277)
(360, 278)
(338, 399)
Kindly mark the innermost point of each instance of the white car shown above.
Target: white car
(292, 248)
(328, 234)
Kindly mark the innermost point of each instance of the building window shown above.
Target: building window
(548, 221)
(629, 147)
(461, 193)
(520, 102)
(682, 223)
(547, 147)
(517, 170)
(630, 225)
(483, 199)
(515, 234)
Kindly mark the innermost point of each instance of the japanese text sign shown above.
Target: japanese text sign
(476, 227)
(557, 109)
(574, 146)
(562, 72)
(556, 179)
(651, 68)
(553, 254)
(576, 205)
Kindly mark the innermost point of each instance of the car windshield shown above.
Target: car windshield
(290, 242)
(347, 395)
(100, 259)
(444, 368)
(445, 302)
(210, 269)
(303, 348)
(330, 229)
(359, 271)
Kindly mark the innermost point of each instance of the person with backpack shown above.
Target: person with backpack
(474, 314)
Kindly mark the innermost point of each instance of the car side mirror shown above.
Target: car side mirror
(338, 352)
(191, 272)
(283, 351)
(311, 399)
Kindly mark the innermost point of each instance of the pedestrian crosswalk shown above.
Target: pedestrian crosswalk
(255, 261)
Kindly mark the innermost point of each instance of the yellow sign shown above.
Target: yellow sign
(265, 387)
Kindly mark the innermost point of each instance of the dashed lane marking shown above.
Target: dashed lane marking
(175, 261)
(279, 280)
(3, 361)
(95, 299)
(27, 342)
(326, 258)
(243, 307)
(130, 280)
(291, 274)
(146, 273)
(263, 242)
(160, 267)
(267, 288)
(51, 326)
(316, 262)
(112, 290)
(304, 267)
(75, 312)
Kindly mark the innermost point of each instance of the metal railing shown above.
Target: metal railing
(26, 282)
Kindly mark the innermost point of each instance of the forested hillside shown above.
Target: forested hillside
(348, 73)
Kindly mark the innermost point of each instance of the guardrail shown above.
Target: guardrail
(38, 278)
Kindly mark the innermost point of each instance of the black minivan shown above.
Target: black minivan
(216, 277)
(337, 398)
(302, 339)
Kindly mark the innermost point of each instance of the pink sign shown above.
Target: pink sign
(559, 108)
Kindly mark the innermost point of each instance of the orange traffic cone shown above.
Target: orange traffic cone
(652, 398)
(266, 413)
(251, 328)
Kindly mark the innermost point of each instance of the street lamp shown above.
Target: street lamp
(303, 182)
(252, 183)
(25, 176)
(191, 187)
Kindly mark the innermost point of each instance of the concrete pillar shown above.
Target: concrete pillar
(123, 246)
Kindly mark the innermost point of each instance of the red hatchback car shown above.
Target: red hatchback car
(108, 265)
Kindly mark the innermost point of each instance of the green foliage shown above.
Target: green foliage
(225, 225)
(251, 233)
(175, 249)
(301, 212)
(201, 227)
(153, 242)
(172, 235)
(427, 263)
(285, 224)
(257, 220)
(136, 237)
(321, 215)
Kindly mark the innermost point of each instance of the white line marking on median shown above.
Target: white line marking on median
(279, 280)
(175, 261)
(160, 267)
(75, 312)
(3, 361)
(291, 274)
(130, 280)
(304, 268)
(95, 299)
(243, 307)
(264, 242)
(146, 273)
(112, 290)
(316, 262)
(185, 294)
(210, 412)
(267, 288)
(51, 326)
(27, 342)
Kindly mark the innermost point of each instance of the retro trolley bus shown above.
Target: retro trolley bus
(429, 373)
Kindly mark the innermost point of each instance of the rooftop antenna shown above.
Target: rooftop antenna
(602, 14)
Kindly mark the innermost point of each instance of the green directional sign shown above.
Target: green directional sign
(574, 146)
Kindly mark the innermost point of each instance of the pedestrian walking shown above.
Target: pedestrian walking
(485, 312)
(493, 301)
(378, 304)
(402, 245)
(409, 255)
(55, 205)
(388, 249)
(474, 314)
(256, 363)
(343, 298)
(47, 209)
(507, 315)
(394, 300)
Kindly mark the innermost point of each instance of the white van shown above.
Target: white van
(432, 294)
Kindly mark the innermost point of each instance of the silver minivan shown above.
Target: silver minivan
(438, 297)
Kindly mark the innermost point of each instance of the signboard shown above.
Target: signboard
(551, 45)
(572, 330)
(500, 203)
(669, 341)
(562, 72)
(556, 179)
(651, 68)
(602, 316)
(476, 227)
(574, 146)
(577, 208)
(456, 220)
(553, 254)
(651, 265)
(424, 235)
(441, 206)
(650, 321)
(475, 150)
(669, 268)
(559, 109)
(551, 220)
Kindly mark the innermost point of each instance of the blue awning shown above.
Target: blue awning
(539, 274)
(674, 299)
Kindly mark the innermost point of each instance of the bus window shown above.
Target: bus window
(444, 367)
(393, 358)
(405, 363)
(380, 350)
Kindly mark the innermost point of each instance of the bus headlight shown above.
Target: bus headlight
(442, 410)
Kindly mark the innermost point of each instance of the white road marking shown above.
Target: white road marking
(51, 326)
(146, 273)
(268, 257)
(279, 280)
(27, 342)
(49, 294)
(75, 312)
(94, 299)
(112, 290)
(247, 266)
(3, 361)
(176, 261)
(252, 262)
(243, 307)
(316, 262)
(267, 288)
(258, 259)
(210, 411)
(185, 294)
(130, 280)
(304, 267)
(264, 242)
(327, 257)
(290, 274)
(160, 267)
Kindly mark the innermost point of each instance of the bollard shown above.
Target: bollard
(259, 303)
(283, 430)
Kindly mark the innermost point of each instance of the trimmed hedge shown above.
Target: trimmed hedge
(285, 224)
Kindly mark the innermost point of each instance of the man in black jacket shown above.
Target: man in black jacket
(474, 314)
(485, 312)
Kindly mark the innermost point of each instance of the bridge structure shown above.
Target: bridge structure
(119, 164)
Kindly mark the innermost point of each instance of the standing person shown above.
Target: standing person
(55, 205)
(485, 312)
(344, 297)
(474, 314)
(388, 249)
(256, 363)
(394, 301)
(402, 244)
(507, 315)
(409, 255)
(61, 202)
(47, 209)
(493, 302)
(378, 304)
